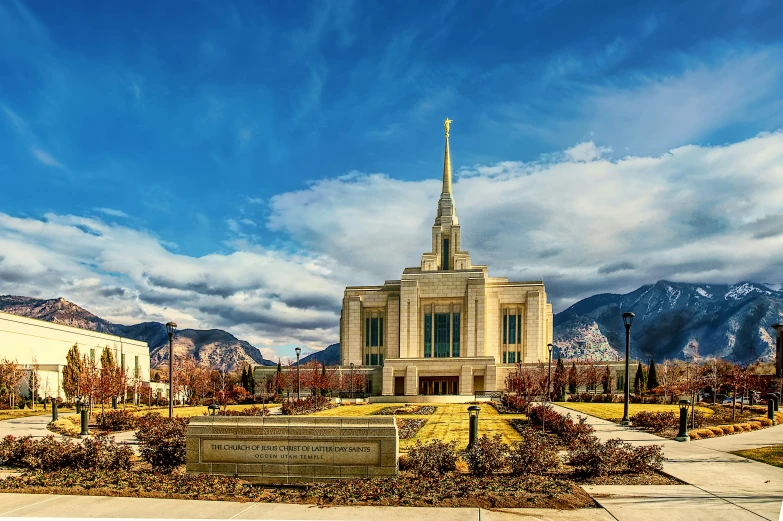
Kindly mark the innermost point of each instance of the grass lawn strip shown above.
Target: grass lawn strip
(614, 411)
(769, 455)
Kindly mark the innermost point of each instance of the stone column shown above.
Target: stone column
(411, 380)
(388, 381)
(466, 380)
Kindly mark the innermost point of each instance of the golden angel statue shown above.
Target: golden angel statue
(447, 125)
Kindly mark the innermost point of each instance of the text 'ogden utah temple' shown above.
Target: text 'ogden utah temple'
(446, 327)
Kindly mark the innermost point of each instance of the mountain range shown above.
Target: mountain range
(672, 319)
(211, 347)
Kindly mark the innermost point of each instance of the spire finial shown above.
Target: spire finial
(447, 125)
(447, 160)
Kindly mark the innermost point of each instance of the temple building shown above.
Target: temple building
(445, 327)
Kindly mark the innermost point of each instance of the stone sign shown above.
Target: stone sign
(292, 449)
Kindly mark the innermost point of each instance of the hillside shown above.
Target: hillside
(214, 347)
(727, 321)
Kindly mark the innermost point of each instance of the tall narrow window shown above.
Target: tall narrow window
(373, 332)
(380, 331)
(366, 332)
(512, 329)
(512, 357)
(519, 329)
(442, 335)
(427, 335)
(505, 328)
(445, 254)
(455, 336)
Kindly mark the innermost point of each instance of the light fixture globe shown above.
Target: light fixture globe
(171, 327)
(628, 318)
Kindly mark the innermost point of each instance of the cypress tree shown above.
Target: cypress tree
(72, 372)
(559, 380)
(606, 381)
(638, 381)
(652, 376)
(251, 381)
(572, 384)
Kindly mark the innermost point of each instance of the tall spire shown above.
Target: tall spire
(447, 160)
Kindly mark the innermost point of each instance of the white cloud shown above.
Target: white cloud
(46, 158)
(582, 222)
(111, 211)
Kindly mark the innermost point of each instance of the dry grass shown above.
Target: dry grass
(769, 455)
(614, 411)
(448, 423)
(187, 412)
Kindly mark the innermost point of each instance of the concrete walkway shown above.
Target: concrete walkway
(56, 506)
(34, 426)
(720, 481)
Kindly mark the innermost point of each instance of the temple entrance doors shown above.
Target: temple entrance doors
(439, 385)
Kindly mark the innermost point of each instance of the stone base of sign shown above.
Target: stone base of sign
(295, 449)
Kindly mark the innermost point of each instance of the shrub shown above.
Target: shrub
(765, 422)
(535, 455)
(308, 405)
(487, 456)
(461, 466)
(118, 420)
(594, 458)
(408, 427)
(571, 433)
(50, 454)
(729, 429)
(717, 431)
(432, 459)
(250, 411)
(162, 440)
(701, 433)
(694, 436)
(754, 425)
(655, 421)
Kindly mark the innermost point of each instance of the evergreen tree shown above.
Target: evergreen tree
(251, 381)
(652, 376)
(279, 378)
(559, 380)
(638, 381)
(72, 372)
(606, 381)
(243, 381)
(572, 379)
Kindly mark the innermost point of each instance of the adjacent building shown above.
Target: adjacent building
(43, 346)
(446, 327)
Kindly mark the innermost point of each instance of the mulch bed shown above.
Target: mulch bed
(407, 409)
(408, 427)
(451, 490)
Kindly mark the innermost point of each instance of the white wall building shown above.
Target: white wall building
(29, 342)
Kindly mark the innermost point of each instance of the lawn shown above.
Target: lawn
(769, 455)
(197, 410)
(9, 414)
(614, 411)
(449, 422)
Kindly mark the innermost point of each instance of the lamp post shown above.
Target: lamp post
(351, 379)
(779, 354)
(683, 434)
(171, 327)
(298, 380)
(548, 386)
(627, 321)
(473, 413)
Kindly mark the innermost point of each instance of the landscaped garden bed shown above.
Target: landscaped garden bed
(408, 427)
(406, 410)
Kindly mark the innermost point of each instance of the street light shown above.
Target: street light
(683, 434)
(171, 327)
(351, 379)
(779, 351)
(298, 381)
(549, 377)
(473, 413)
(627, 321)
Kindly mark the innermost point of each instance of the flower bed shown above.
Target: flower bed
(408, 427)
(308, 405)
(408, 490)
(407, 409)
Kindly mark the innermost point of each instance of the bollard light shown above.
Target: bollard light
(85, 419)
(54, 410)
(683, 434)
(473, 414)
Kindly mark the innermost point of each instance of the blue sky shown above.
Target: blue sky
(228, 164)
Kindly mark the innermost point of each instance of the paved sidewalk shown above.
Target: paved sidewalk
(719, 479)
(57, 506)
(34, 426)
